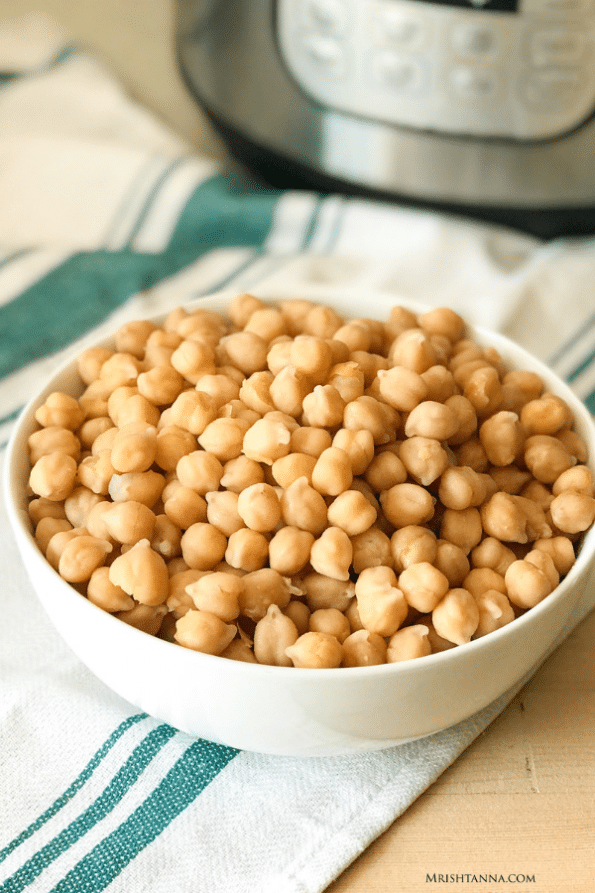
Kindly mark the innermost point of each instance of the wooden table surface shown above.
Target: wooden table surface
(520, 802)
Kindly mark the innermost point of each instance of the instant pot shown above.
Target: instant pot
(481, 107)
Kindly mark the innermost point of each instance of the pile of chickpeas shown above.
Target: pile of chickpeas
(285, 486)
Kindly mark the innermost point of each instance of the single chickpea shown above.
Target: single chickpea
(503, 437)
(381, 604)
(356, 334)
(136, 408)
(513, 519)
(240, 473)
(363, 649)
(546, 457)
(406, 504)
(579, 478)
(171, 443)
(572, 511)
(261, 589)
(460, 488)
(321, 321)
(53, 476)
(166, 539)
(575, 444)
(408, 643)
(482, 579)
(437, 643)
(348, 379)
(545, 563)
(193, 410)
(246, 351)
(142, 573)
(95, 472)
(104, 441)
(424, 458)
(289, 550)
(218, 593)
(413, 350)
(203, 546)
(224, 438)
(259, 508)
(291, 467)
(332, 472)
(178, 599)
(160, 384)
(273, 635)
(372, 415)
(442, 321)
(146, 618)
(222, 511)
(440, 384)
(495, 611)
(510, 478)
(370, 549)
(90, 361)
(78, 505)
(60, 410)
(131, 337)
(184, 506)
(331, 621)
(325, 592)
(466, 419)
(431, 419)
(279, 354)
(453, 562)
(331, 554)
(385, 470)
(239, 649)
(93, 428)
(299, 612)
(484, 390)
(120, 370)
(546, 414)
(247, 550)
(526, 584)
(358, 445)
(519, 387)
(102, 592)
(193, 359)
(323, 407)
(160, 346)
(463, 528)
(94, 400)
(242, 307)
(423, 585)
(412, 544)
(127, 522)
(134, 447)
(200, 470)
(402, 388)
(41, 507)
(294, 312)
(312, 441)
(58, 542)
(140, 486)
(268, 322)
(45, 529)
(352, 512)
(472, 454)
(561, 551)
(456, 617)
(204, 632)
(288, 390)
(304, 507)
(315, 650)
(493, 554)
(53, 439)
(400, 319)
(255, 392)
(266, 440)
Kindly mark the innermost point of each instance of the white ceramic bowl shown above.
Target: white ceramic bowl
(289, 711)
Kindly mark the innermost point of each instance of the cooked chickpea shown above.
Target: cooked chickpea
(171, 443)
(45, 529)
(423, 585)
(367, 413)
(452, 561)
(193, 410)
(259, 507)
(184, 506)
(266, 440)
(364, 649)
(456, 616)
(202, 631)
(224, 438)
(370, 549)
(218, 593)
(495, 611)
(351, 512)
(289, 550)
(431, 419)
(140, 486)
(424, 458)
(53, 476)
(240, 473)
(199, 470)
(579, 478)
(222, 511)
(203, 546)
(462, 527)
(546, 414)
(247, 550)
(572, 511)
(103, 593)
(326, 592)
(561, 551)
(402, 388)
(385, 470)
(60, 410)
(331, 554)
(408, 643)
(53, 439)
(273, 635)
(142, 573)
(492, 553)
(348, 378)
(261, 589)
(304, 507)
(381, 604)
(160, 384)
(503, 437)
(323, 407)
(406, 504)
(546, 457)
(526, 584)
(412, 544)
(146, 618)
(312, 441)
(316, 651)
(460, 488)
(413, 350)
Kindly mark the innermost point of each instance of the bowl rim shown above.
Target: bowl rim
(218, 301)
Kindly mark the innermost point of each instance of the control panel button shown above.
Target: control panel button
(328, 16)
(327, 52)
(469, 39)
(399, 72)
(468, 82)
(550, 88)
(398, 27)
(556, 46)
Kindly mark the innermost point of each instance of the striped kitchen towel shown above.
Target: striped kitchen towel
(107, 216)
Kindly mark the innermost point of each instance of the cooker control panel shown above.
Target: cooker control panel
(513, 69)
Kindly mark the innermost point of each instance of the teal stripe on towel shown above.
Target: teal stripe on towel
(109, 798)
(199, 765)
(224, 211)
(76, 785)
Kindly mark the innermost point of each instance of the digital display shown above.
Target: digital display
(487, 5)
